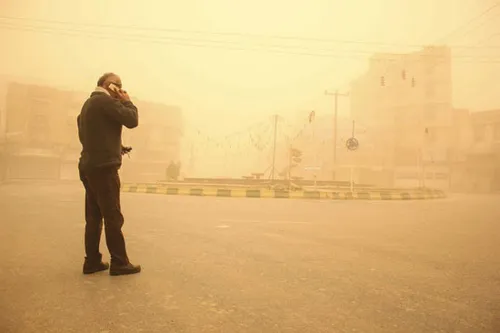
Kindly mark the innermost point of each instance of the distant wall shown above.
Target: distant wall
(3, 165)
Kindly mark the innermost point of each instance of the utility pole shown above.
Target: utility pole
(290, 167)
(424, 169)
(274, 147)
(191, 159)
(336, 95)
(315, 147)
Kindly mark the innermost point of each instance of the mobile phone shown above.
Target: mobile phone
(113, 87)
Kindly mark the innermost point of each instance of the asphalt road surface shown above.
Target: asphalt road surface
(252, 265)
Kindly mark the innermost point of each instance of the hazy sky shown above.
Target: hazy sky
(240, 81)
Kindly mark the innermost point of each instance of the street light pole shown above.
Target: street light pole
(273, 169)
(336, 95)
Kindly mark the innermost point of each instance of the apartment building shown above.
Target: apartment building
(481, 165)
(35, 136)
(405, 102)
(42, 141)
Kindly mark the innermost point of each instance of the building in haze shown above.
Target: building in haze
(156, 142)
(35, 130)
(405, 103)
(42, 139)
(3, 115)
(480, 166)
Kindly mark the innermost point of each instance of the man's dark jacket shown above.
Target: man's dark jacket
(100, 130)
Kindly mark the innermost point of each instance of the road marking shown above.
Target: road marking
(260, 221)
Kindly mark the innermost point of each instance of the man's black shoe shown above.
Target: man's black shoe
(124, 269)
(94, 268)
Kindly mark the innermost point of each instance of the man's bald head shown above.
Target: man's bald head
(107, 78)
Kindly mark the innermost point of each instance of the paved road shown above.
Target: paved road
(253, 265)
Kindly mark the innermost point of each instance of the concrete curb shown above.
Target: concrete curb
(255, 193)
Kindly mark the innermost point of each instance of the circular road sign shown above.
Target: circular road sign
(352, 143)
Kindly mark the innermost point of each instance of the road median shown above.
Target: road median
(200, 191)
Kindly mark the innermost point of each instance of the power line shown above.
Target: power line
(234, 34)
(170, 41)
(181, 39)
(470, 21)
(475, 28)
(260, 126)
(349, 55)
(454, 32)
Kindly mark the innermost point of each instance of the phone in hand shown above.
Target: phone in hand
(114, 88)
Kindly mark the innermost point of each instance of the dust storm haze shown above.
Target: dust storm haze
(351, 108)
(227, 65)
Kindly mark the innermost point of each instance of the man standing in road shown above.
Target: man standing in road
(100, 124)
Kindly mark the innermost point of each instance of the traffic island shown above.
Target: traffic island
(372, 194)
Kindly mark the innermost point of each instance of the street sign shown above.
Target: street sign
(352, 143)
(296, 155)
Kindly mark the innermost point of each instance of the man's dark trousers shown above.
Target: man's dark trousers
(102, 200)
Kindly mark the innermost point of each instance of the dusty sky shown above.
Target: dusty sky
(240, 80)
